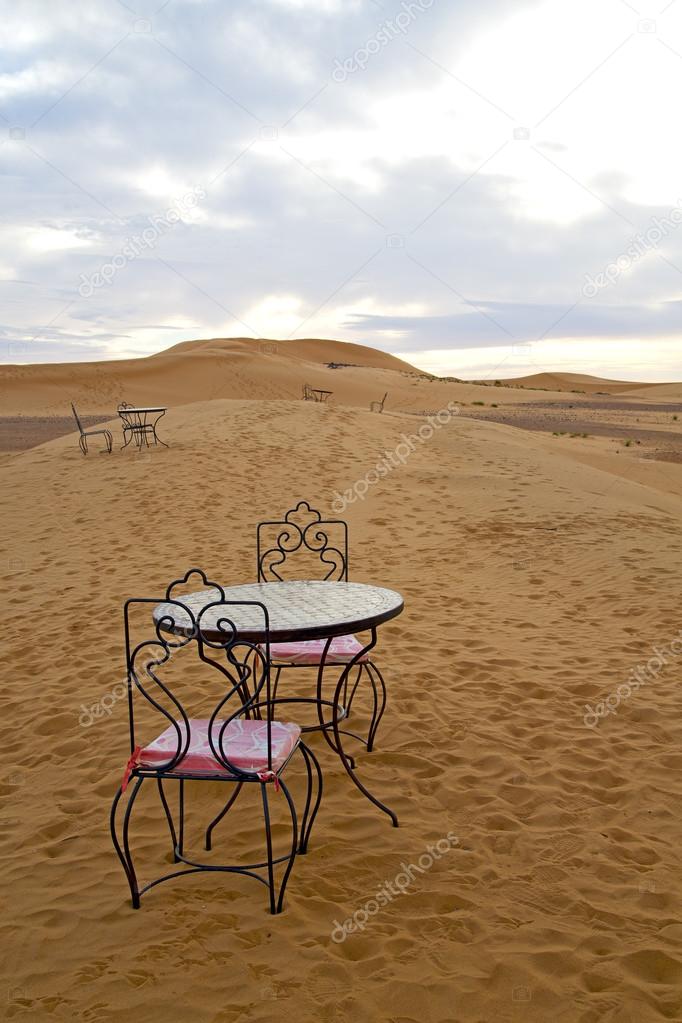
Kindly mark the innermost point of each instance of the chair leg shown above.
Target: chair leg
(307, 824)
(379, 702)
(169, 818)
(124, 854)
(217, 820)
(268, 843)
(376, 718)
(109, 440)
(294, 844)
(83, 444)
(349, 704)
(276, 905)
(181, 803)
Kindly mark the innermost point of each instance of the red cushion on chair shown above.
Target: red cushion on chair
(245, 744)
(309, 651)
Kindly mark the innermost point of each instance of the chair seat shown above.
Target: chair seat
(309, 651)
(245, 744)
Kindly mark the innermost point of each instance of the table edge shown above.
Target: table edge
(302, 634)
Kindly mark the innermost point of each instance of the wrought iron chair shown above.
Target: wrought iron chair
(325, 541)
(235, 745)
(84, 434)
(378, 406)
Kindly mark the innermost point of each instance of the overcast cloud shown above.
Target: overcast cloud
(436, 178)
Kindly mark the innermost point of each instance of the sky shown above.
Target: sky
(485, 189)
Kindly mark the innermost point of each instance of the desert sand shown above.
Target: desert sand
(537, 573)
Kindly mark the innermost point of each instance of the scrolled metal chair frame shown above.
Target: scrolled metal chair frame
(293, 537)
(84, 434)
(378, 406)
(247, 681)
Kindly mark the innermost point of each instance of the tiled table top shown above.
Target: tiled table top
(297, 610)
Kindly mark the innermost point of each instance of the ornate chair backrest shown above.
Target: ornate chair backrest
(122, 410)
(302, 532)
(75, 416)
(243, 666)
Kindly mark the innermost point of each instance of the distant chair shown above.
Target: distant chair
(378, 406)
(83, 439)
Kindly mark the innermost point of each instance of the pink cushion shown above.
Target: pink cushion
(309, 651)
(245, 744)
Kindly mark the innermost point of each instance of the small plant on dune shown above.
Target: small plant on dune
(478, 403)
(674, 419)
(628, 443)
(494, 405)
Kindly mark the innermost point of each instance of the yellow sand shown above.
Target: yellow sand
(533, 582)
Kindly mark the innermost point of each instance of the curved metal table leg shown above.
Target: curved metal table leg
(157, 439)
(337, 745)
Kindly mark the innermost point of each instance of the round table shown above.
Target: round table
(135, 423)
(298, 611)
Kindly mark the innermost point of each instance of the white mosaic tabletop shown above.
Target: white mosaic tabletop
(297, 610)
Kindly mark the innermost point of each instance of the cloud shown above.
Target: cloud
(436, 199)
(499, 324)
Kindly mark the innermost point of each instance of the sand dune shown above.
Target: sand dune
(269, 370)
(659, 392)
(583, 382)
(533, 584)
(201, 370)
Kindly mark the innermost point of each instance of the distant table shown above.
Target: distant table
(138, 427)
(297, 611)
(315, 393)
